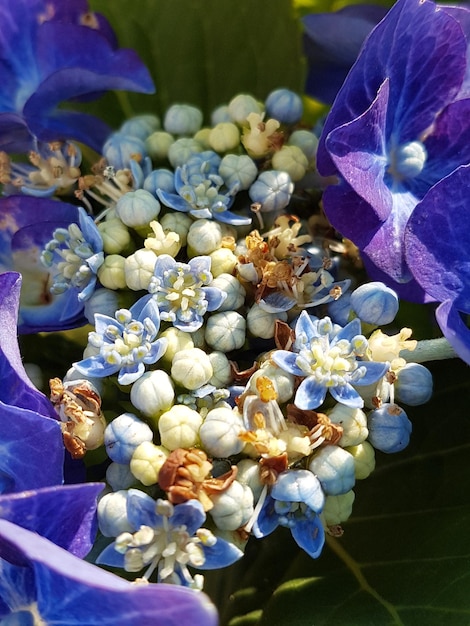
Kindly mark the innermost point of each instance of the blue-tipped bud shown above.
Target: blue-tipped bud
(375, 303)
(119, 149)
(389, 428)
(413, 385)
(284, 105)
(160, 179)
(272, 189)
(182, 119)
(123, 435)
(141, 126)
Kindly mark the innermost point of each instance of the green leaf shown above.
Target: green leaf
(405, 555)
(203, 52)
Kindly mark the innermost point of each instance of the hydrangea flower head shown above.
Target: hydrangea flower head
(398, 126)
(55, 41)
(126, 343)
(183, 291)
(328, 357)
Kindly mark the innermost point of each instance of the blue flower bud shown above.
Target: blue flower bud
(389, 428)
(140, 126)
(123, 435)
(112, 514)
(182, 119)
(119, 149)
(284, 105)
(334, 468)
(137, 208)
(160, 179)
(272, 189)
(413, 385)
(375, 303)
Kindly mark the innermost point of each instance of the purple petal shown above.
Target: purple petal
(454, 329)
(310, 394)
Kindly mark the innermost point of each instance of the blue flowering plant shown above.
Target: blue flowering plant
(234, 371)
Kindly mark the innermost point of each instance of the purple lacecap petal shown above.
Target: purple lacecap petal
(32, 449)
(309, 535)
(455, 331)
(221, 554)
(410, 290)
(330, 57)
(437, 240)
(359, 151)
(347, 395)
(65, 515)
(299, 486)
(310, 394)
(462, 15)
(422, 51)
(73, 591)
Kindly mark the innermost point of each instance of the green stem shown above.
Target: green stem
(430, 350)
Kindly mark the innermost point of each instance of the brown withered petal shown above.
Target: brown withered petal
(284, 336)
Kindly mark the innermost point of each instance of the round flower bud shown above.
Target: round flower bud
(160, 179)
(191, 368)
(334, 468)
(147, 461)
(111, 273)
(158, 144)
(233, 288)
(178, 223)
(226, 331)
(261, 323)
(338, 509)
(119, 476)
(284, 105)
(182, 119)
(220, 432)
(370, 393)
(153, 393)
(202, 136)
(220, 114)
(306, 141)
(180, 151)
(179, 427)
(139, 269)
(353, 422)
(103, 301)
(389, 428)
(123, 435)
(204, 236)
(224, 137)
(413, 385)
(119, 149)
(233, 507)
(177, 341)
(141, 126)
(292, 160)
(137, 208)
(375, 303)
(238, 169)
(241, 106)
(248, 474)
(364, 459)
(223, 261)
(112, 514)
(115, 235)
(272, 189)
(222, 375)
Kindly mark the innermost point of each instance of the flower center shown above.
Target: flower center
(179, 294)
(407, 160)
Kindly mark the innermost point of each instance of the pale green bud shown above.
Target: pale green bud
(182, 119)
(292, 160)
(147, 461)
(139, 269)
(226, 331)
(202, 136)
(179, 427)
(241, 106)
(248, 474)
(137, 208)
(119, 476)
(222, 375)
(115, 235)
(153, 393)
(112, 514)
(261, 323)
(204, 236)
(220, 432)
(191, 368)
(334, 468)
(223, 261)
(224, 137)
(306, 141)
(353, 422)
(364, 459)
(233, 288)
(238, 169)
(158, 145)
(177, 222)
(111, 273)
(338, 509)
(177, 342)
(233, 507)
(180, 151)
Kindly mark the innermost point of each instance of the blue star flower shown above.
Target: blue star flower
(31, 438)
(326, 356)
(437, 244)
(201, 191)
(295, 501)
(399, 124)
(127, 343)
(43, 44)
(167, 538)
(183, 291)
